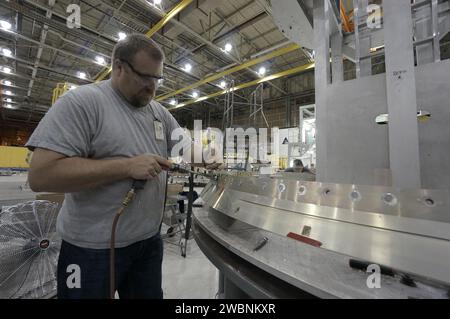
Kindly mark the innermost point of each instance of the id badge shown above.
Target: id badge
(159, 134)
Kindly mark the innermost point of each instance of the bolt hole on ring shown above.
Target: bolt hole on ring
(326, 192)
(428, 201)
(302, 190)
(355, 195)
(281, 188)
(389, 199)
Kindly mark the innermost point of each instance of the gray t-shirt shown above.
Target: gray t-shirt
(94, 121)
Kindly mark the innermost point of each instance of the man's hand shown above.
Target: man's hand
(147, 166)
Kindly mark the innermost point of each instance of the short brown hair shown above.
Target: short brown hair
(127, 48)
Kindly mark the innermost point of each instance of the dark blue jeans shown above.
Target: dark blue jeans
(138, 271)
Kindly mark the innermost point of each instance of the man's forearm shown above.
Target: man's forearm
(73, 174)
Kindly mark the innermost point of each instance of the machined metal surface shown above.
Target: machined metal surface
(312, 271)
(407, 230)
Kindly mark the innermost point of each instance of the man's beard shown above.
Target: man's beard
(140, 102)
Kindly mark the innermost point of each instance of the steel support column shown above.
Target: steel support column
(401, 94)
(322, 80)
(362, 39)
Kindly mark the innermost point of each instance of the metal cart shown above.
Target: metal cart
(173, 218)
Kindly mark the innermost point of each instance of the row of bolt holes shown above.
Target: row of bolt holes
(388, 198)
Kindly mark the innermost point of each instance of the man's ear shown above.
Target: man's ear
(118, 66)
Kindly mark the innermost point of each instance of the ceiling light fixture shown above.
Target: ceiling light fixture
(100, 60)
(262, 70)
(7, 52)
(5, 25)
(188, 67)
(228, 47)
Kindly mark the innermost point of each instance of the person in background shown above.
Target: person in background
(298, 167)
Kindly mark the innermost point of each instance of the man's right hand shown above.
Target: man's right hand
(147, 166)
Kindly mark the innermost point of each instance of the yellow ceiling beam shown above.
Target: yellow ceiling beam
(103, 74)
(248, 84)
(172, 13)
(249, 63)
(183, 4)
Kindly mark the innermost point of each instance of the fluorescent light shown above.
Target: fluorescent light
(8, 93)
(100, 59)
(9, 106)
(8, 100)
(262, 70)
(195, 94)
(122, 35)
(188, 67)
(156, 2)
(81, 75)
(228, 47)
(173, 102)
(6, 69)
(8, 83)
(7, 52)
(223, 84)
(72, 87)
(5, 25)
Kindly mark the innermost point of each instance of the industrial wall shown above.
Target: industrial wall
(433, 95)
(356, 145)
(358, 149)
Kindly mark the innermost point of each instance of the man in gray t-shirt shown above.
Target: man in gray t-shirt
(91, 145)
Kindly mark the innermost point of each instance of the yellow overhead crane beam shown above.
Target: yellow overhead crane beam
(59, 90)
(172, 13)
(248, 84)
(249, 63)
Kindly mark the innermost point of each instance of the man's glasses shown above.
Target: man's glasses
(145, 78)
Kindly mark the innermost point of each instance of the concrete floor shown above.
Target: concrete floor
(12, 190)
(193, 277)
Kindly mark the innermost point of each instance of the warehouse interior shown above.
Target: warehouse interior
(329, 120)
